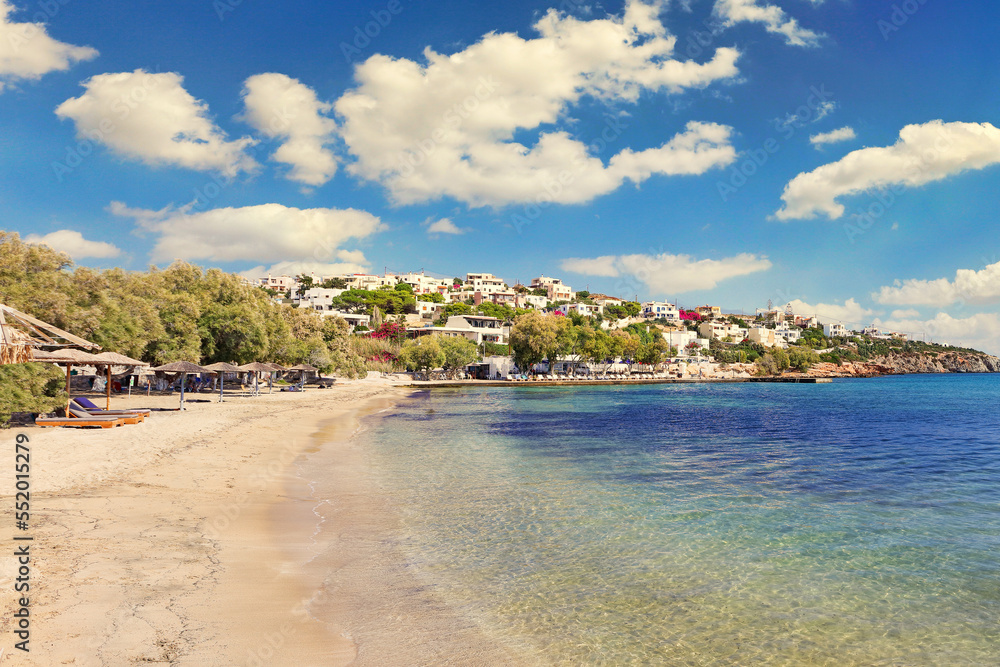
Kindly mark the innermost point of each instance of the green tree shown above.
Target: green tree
(535, 337)
(422, 354)
(458, 353)
(802, 358)
(781, 359)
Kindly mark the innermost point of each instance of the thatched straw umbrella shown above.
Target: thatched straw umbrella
(303, 369)
(66, 357)
(185, 368)
(256, 367)
(109, 359)
(221, 367)
(276, 368)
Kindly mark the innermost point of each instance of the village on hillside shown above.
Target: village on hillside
(482, 308)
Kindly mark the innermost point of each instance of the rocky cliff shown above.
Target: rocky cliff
(943, 362)
(911, 362)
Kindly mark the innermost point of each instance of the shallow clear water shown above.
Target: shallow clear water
(849, 523)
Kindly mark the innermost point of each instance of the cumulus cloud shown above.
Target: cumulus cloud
(443, 226)
(668, 274)
(923, 154)
(309, 268)
(28, 52)
(446, 126)
(280, 107)
(264, 233)
(978, 287)
(833, 137)
(774, 19)
(151, 117)
(980, 331)
(850, 313)
(73, 244)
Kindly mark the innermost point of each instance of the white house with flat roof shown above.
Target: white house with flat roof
(476, 328)
(835, 330)
(487, 283)
(554, 288)
(658, 309)
(319, 298)
(683, 339)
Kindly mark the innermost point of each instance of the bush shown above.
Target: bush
(34, 388)
(802, 358)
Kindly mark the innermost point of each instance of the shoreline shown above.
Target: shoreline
(370, 593)
(157, 542)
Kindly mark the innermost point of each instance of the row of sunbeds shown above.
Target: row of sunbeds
(83, 414)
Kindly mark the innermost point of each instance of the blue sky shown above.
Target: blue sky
(834, 154)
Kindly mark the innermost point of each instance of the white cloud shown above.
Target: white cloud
(446, 127)
(775, 20)
(850, 313)
(73, 244)
(443, 226)
(283, 108)
(924, 153)
(979, 287)
(668, 274)
(980, 331)
(904, 314)
(298, 268)
(264, 233)
(27, 51)
(832, 137)
(152, 118)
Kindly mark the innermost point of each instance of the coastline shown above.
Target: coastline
(168, 542)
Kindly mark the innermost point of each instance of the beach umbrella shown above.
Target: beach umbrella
(221, 367)
(67, 357)
(277, 368)
(109, 359)
(185, 368)
(256, 367)
(303, 369)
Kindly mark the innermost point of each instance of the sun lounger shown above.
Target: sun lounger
(87, 405)
(79, 422)
(75, 412)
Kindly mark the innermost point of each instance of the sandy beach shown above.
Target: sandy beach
(186, 540)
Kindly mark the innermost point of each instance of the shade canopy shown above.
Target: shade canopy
(276, 367)
(223, 367)
(185, 367)
(17, 328)
(115, 359)
(67, 357)
(303, 367)
(256, 367)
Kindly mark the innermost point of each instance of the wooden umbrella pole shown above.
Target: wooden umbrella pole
(68, 398)
(108, 387)
(183, 380)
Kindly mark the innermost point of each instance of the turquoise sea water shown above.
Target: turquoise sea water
(850, 523)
